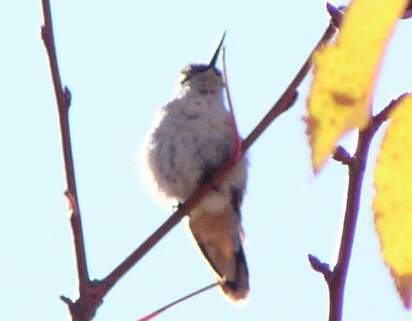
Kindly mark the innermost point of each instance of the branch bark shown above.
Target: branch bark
(63, 97)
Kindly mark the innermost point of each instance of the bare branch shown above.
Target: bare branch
(63, 97)
(290, 94)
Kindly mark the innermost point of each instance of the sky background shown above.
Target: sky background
(121, 60)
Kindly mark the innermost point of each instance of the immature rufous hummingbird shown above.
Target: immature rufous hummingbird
(193, 134)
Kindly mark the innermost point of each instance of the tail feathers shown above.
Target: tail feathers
(226, 257)
(238, 288)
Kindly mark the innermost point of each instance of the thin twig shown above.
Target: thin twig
(226, 85)
(63, 97)
(235, 132)
(170, 305)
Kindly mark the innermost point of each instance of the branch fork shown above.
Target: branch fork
(92, 293)
(336, 278)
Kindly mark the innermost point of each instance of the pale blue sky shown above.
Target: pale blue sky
(121, 60)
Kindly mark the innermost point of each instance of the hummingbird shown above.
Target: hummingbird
(193, 134)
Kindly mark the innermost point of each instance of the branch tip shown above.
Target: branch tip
(384, 114)
(343, 156)
(66, 300)
(67, 96)
(293, 98)
(320, 267)
(408, 11)
(43, 32)
(336, 14)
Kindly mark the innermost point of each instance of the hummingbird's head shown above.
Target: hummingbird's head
(204, 75)
(199, 72)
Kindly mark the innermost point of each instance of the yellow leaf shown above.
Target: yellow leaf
(393, 200)
(345, 73)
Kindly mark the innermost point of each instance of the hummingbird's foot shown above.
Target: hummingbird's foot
(177, 206)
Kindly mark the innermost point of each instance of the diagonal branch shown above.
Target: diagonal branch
(93, 292)
(283, 104)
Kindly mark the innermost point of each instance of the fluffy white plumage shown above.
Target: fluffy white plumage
(191, 137)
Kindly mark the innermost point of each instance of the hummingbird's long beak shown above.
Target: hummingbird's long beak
(217, 51)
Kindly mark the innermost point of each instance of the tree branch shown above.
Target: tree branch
(92, 292)
(290, 94)
(63, 97)
(357, 164)
(282, 105)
